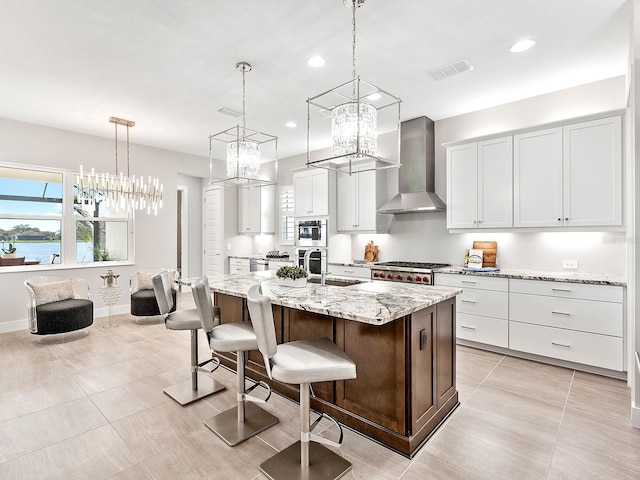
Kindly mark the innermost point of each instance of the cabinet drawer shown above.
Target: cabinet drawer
(487, 303)
(587, 348)
(605, 293)
(492, 331)
(344, 271)
(605, 318)
(239, 262)
(472, 281)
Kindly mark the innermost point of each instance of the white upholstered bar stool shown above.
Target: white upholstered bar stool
(301, 362)
(200, 386)
(242, 422)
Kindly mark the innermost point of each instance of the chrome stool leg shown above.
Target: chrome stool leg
(306, 459)
(200, 385)
(242, 422)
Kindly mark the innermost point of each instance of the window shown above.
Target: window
(286, 215)
(31, 209)
(41, 219)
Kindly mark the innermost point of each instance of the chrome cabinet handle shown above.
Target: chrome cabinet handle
(560, 344)
(467, 327)
(560, 290)
(468, 281)
(467, 301)
(560, 313)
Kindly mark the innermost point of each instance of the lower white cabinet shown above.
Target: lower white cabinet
(350, 271)
(573, 322)
(276, 264)
(568, 321)
(239, 265)
(482, 308)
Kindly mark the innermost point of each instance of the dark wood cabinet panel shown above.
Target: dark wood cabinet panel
(423, 404)
(445, 354)
(378, 392)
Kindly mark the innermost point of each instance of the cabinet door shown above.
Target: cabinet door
(346, 202)
(365, 199)
(462, 196)
(592, 163)
(266, 213)
(319, 192)
(495, 183)
(302, 194)
(244, 210)
(538, 178)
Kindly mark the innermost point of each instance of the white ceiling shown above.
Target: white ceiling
(169, 66)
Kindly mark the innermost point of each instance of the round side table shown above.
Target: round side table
(110, 295)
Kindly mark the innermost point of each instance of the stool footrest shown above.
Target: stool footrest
(251, 398)
(200, 367)
(317, 438)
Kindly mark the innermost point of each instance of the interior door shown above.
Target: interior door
(213, 232)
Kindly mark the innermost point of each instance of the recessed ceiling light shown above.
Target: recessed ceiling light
(374, 96)
(316, 62)
(292, 124)
(522, 45)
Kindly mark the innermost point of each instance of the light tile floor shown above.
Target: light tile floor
(94, 409)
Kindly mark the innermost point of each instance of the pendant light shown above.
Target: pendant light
(243, 149)
(124, 192)
(356, 109)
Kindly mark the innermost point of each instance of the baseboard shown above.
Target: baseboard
(14, 326)
(117, 310)
(635, 417)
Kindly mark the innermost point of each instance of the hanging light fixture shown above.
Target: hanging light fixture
(243, 149)
(119, 191)
(357, 110)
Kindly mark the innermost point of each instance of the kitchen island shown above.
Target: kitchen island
(401, 337)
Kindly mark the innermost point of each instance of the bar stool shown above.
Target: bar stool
(240, 423)
(302, 362)
(185, 393)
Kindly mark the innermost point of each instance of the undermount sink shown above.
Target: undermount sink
(335, 282)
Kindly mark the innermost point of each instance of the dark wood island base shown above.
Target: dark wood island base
(406, 369)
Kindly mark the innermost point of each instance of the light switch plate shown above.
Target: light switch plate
(570, 264)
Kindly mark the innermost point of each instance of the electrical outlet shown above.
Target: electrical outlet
(572, 264)
(229, 246)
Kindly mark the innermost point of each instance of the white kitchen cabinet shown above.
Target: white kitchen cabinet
(479, 184)
(537, 178)
(312, 190)
(276, 264)
(592, 172)
(359, 197)
(569, 176)
(568, 321)
(239, 265)
(350, 271)
(482, 309)
(256, 210)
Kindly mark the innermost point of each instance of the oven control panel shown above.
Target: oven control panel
(406, 277)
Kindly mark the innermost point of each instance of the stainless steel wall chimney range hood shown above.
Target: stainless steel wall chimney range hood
(416, 176)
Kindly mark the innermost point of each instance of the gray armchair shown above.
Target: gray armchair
(143, 298)
(58, 304)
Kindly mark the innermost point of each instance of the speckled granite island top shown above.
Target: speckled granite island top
(372, 302)
(588, 278)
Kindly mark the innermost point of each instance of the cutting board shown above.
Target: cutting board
(371, 252)
(489, 251)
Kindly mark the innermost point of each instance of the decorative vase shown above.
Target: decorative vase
(289, 282)
(8, 255)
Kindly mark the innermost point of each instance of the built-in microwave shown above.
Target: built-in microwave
(311, 233)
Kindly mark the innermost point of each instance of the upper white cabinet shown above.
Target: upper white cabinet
(537, 177)
(359, 197)
(592, 172)
(479, 184)
(311, 192)
(569, 176)
(256, 210)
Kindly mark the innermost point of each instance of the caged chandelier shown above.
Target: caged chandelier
(244, 148)
(125, 192)
(354, 108)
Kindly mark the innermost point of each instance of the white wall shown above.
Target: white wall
(155, 236)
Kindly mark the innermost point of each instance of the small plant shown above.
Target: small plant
(9, 250)
(291, 272)
(101, 255)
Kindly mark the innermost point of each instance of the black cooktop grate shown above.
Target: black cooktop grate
(423, 265)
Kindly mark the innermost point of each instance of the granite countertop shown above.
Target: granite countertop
(570, 277)
(371, 301)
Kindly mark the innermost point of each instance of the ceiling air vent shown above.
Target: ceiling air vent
(230, 112)
(454, 68)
